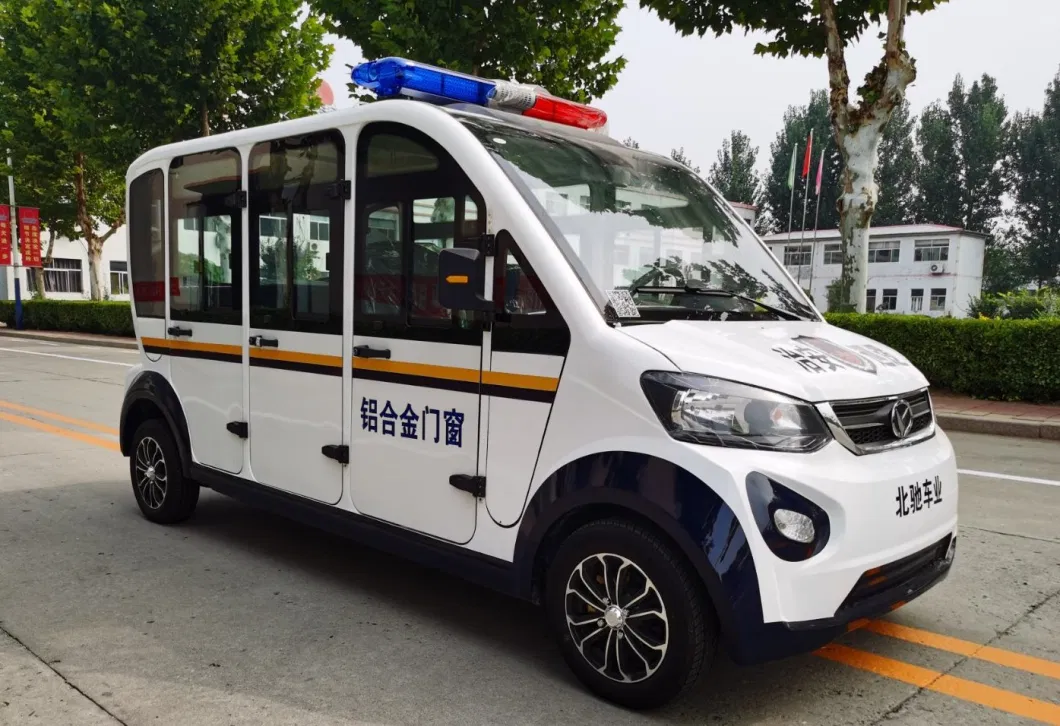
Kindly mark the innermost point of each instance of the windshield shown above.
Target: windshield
(635, 222)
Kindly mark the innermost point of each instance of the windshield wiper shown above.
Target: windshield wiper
(713, 292)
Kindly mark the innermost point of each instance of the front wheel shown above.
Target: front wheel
(162, 493)
(630, 619)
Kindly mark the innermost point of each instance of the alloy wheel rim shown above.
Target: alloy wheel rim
(617, 618)
(151, 473)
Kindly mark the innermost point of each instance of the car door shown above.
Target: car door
(204, 325)
(415, 408)
(297, 207)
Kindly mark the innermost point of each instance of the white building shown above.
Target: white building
(925, 269)
(747, 212)
(67, 277)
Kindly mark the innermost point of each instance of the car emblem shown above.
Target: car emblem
(836, 352)
(901, 419)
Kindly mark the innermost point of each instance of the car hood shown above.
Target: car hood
(810, 360)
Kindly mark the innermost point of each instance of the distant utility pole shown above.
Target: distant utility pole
(16, 255)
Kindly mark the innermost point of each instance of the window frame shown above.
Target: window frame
(893, 298)
(121, 273)
(916, 302)
(893, 248)
(322, 195)
(804, 252)
(544, 334)
(941, 246)
(215, 206)
(380, 191)
(934, 296)
(835, 248)
(870, 295)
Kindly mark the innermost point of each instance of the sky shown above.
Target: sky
(701, 88)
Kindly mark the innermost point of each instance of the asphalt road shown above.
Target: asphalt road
(239, 617)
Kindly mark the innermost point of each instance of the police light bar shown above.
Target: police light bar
(389, 77)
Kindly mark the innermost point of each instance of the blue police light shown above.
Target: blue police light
(391, 76)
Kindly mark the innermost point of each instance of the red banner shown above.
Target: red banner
(29, 236)
(155, 290)
(5, 234)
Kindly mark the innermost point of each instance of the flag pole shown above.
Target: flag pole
(791, 186)
(816, 216)
(805, 201)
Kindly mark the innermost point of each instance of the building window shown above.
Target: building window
(889, 300)
(119, 277)
(833, 254)
(63, 275)
(797, 255)
(916, 300)
(931, 250)
(870, 301)
(938, 299)
(884, 251)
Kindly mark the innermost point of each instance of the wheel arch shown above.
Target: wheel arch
(149, 396)
(660, 495)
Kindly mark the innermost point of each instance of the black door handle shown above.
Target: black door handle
(178, 332)
(367, 351)
(262, 342)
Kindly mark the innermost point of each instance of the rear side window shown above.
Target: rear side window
(147, 254)
(206, 233)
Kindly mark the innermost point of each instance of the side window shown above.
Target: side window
(413, 201)
(528, 321)
(147, 252)
(296, 233)
(205, 233)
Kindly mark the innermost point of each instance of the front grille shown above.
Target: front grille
(894, 577)
(867, 423)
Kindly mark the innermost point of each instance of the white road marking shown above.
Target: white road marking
(1009, 477)
(67, 357)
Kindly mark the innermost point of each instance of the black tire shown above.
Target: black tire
(162, 493)
(689, 629)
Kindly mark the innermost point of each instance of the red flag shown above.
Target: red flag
(809, 155)
(820, 172)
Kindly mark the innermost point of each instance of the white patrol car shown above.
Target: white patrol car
(466, 326)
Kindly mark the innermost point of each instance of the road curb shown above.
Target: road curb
(999, 426)
(73, 339)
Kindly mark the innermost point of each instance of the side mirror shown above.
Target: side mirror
(460, 280)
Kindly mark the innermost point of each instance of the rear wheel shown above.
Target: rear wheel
(162, 493)
(630, 619)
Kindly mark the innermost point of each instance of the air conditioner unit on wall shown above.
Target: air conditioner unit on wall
(938, 269)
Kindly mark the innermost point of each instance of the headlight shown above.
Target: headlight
(716, 412)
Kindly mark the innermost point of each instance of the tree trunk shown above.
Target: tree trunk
(96, 281)
(38, 272)
(204, 119)
(858, 131)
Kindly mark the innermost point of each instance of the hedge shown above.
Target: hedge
(71, 316)
(1013, 360)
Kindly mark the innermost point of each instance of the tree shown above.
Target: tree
(557, 44)
(793, 135)
(733, 174)
(1033, 166)
(897, 172)
(823, 28)
(961, 181)
(102, 82)
(679, 156)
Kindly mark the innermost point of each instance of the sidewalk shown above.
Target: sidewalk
(106, 341)
(1028, 420)
(954, 412)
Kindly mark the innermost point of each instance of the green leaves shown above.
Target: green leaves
(1012, 360)
(561, 45)
(733, 174)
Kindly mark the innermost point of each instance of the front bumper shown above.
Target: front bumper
(879, 591)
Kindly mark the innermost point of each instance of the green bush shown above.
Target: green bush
(1019, 305)
(1013, 360)
(72, 316)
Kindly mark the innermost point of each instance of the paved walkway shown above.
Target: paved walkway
(955, 413)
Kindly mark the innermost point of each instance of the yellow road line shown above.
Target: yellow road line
(59, 417)
(58, 430)
(961, 688)
(1006, 658)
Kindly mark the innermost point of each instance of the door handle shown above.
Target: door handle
(367, 351)
(262, 342)
(178, 332)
